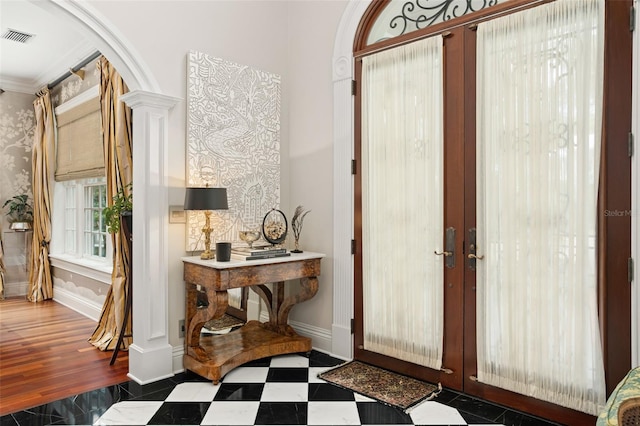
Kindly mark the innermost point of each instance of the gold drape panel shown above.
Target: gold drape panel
(116, 129)
(40, 281)
(2, 268)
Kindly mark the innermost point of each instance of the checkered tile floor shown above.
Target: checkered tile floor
(282, 390)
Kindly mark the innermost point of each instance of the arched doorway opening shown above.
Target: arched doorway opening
(150, 355)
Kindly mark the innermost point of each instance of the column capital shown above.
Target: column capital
(141, 98)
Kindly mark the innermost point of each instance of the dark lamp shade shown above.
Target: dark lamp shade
(206, 199)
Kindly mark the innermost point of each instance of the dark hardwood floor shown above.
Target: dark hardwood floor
(45, 355)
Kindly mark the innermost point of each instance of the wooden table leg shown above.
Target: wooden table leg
(197, 317)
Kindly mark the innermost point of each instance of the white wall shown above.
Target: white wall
(292, 39)
(312, 28)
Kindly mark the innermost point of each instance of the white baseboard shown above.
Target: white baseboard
(79, 304)
(320, 337)
(178, 366)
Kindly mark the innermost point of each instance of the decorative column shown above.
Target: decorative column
(343, 149)
(150, 355)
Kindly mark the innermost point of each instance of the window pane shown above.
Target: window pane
(96, 220)
(103, 196)
(70, 242)
(94, 224)
(87, 243)
(98, 245)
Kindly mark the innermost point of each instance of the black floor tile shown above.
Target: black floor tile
(180, 413)
(445, 396)
(188, 376)
(478, 407)
(8, 420)
(297, 375)
(474, 419)
(157, 395)
(328, 392)
(282, 413)
(100, 398)
(136, 390)
(319, 359)
(373, 413)
(239, 392)
(512, 418)
(58, 412)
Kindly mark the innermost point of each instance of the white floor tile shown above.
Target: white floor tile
(193, 392)
(290, 361)
(293, 392)
(313, 374)
(129, 413)
(434, 413)
(362, 398)
(231, 413)
(332, 413)
(247, 375)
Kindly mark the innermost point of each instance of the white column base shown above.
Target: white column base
(150, 365)
(342, 341)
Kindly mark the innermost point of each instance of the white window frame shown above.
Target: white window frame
(68, 220)
(85, 224)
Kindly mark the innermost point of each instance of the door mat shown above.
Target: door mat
(223, 324)
(390, 388)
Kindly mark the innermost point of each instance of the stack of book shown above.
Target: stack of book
(256, 253)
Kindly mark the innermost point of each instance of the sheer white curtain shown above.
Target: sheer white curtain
(402, 199)
(539, 124)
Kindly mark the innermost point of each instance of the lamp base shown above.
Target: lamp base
(207, 255)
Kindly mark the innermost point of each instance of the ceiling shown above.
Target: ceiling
(54, 48)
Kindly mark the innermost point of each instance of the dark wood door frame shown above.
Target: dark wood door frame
(614, 229)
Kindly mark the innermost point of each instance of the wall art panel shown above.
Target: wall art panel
(233, 141)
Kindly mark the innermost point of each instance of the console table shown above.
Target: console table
(213, 356)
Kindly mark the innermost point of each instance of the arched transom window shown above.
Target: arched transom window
(405, 16)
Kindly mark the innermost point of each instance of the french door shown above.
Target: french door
(440, 238)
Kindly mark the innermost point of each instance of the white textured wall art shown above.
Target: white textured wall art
(233, 141)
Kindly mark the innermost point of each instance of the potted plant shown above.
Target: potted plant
(20, 212)
(122, 206)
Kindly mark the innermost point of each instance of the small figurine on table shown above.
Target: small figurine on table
(296, 225)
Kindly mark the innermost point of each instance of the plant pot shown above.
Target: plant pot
(21, 226)
(126, 218)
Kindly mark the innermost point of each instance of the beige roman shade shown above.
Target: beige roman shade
(79, 152)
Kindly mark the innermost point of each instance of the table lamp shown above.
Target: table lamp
(206, 199)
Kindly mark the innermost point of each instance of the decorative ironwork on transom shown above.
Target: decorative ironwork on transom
(405, 16)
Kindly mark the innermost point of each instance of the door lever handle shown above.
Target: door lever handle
(449, 248)
(473, 249)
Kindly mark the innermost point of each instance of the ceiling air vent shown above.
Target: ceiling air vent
(18, 36)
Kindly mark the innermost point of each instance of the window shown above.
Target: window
(95, 233)
(403, 17)
(83, 230)
(70, 225)
(80, 242)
